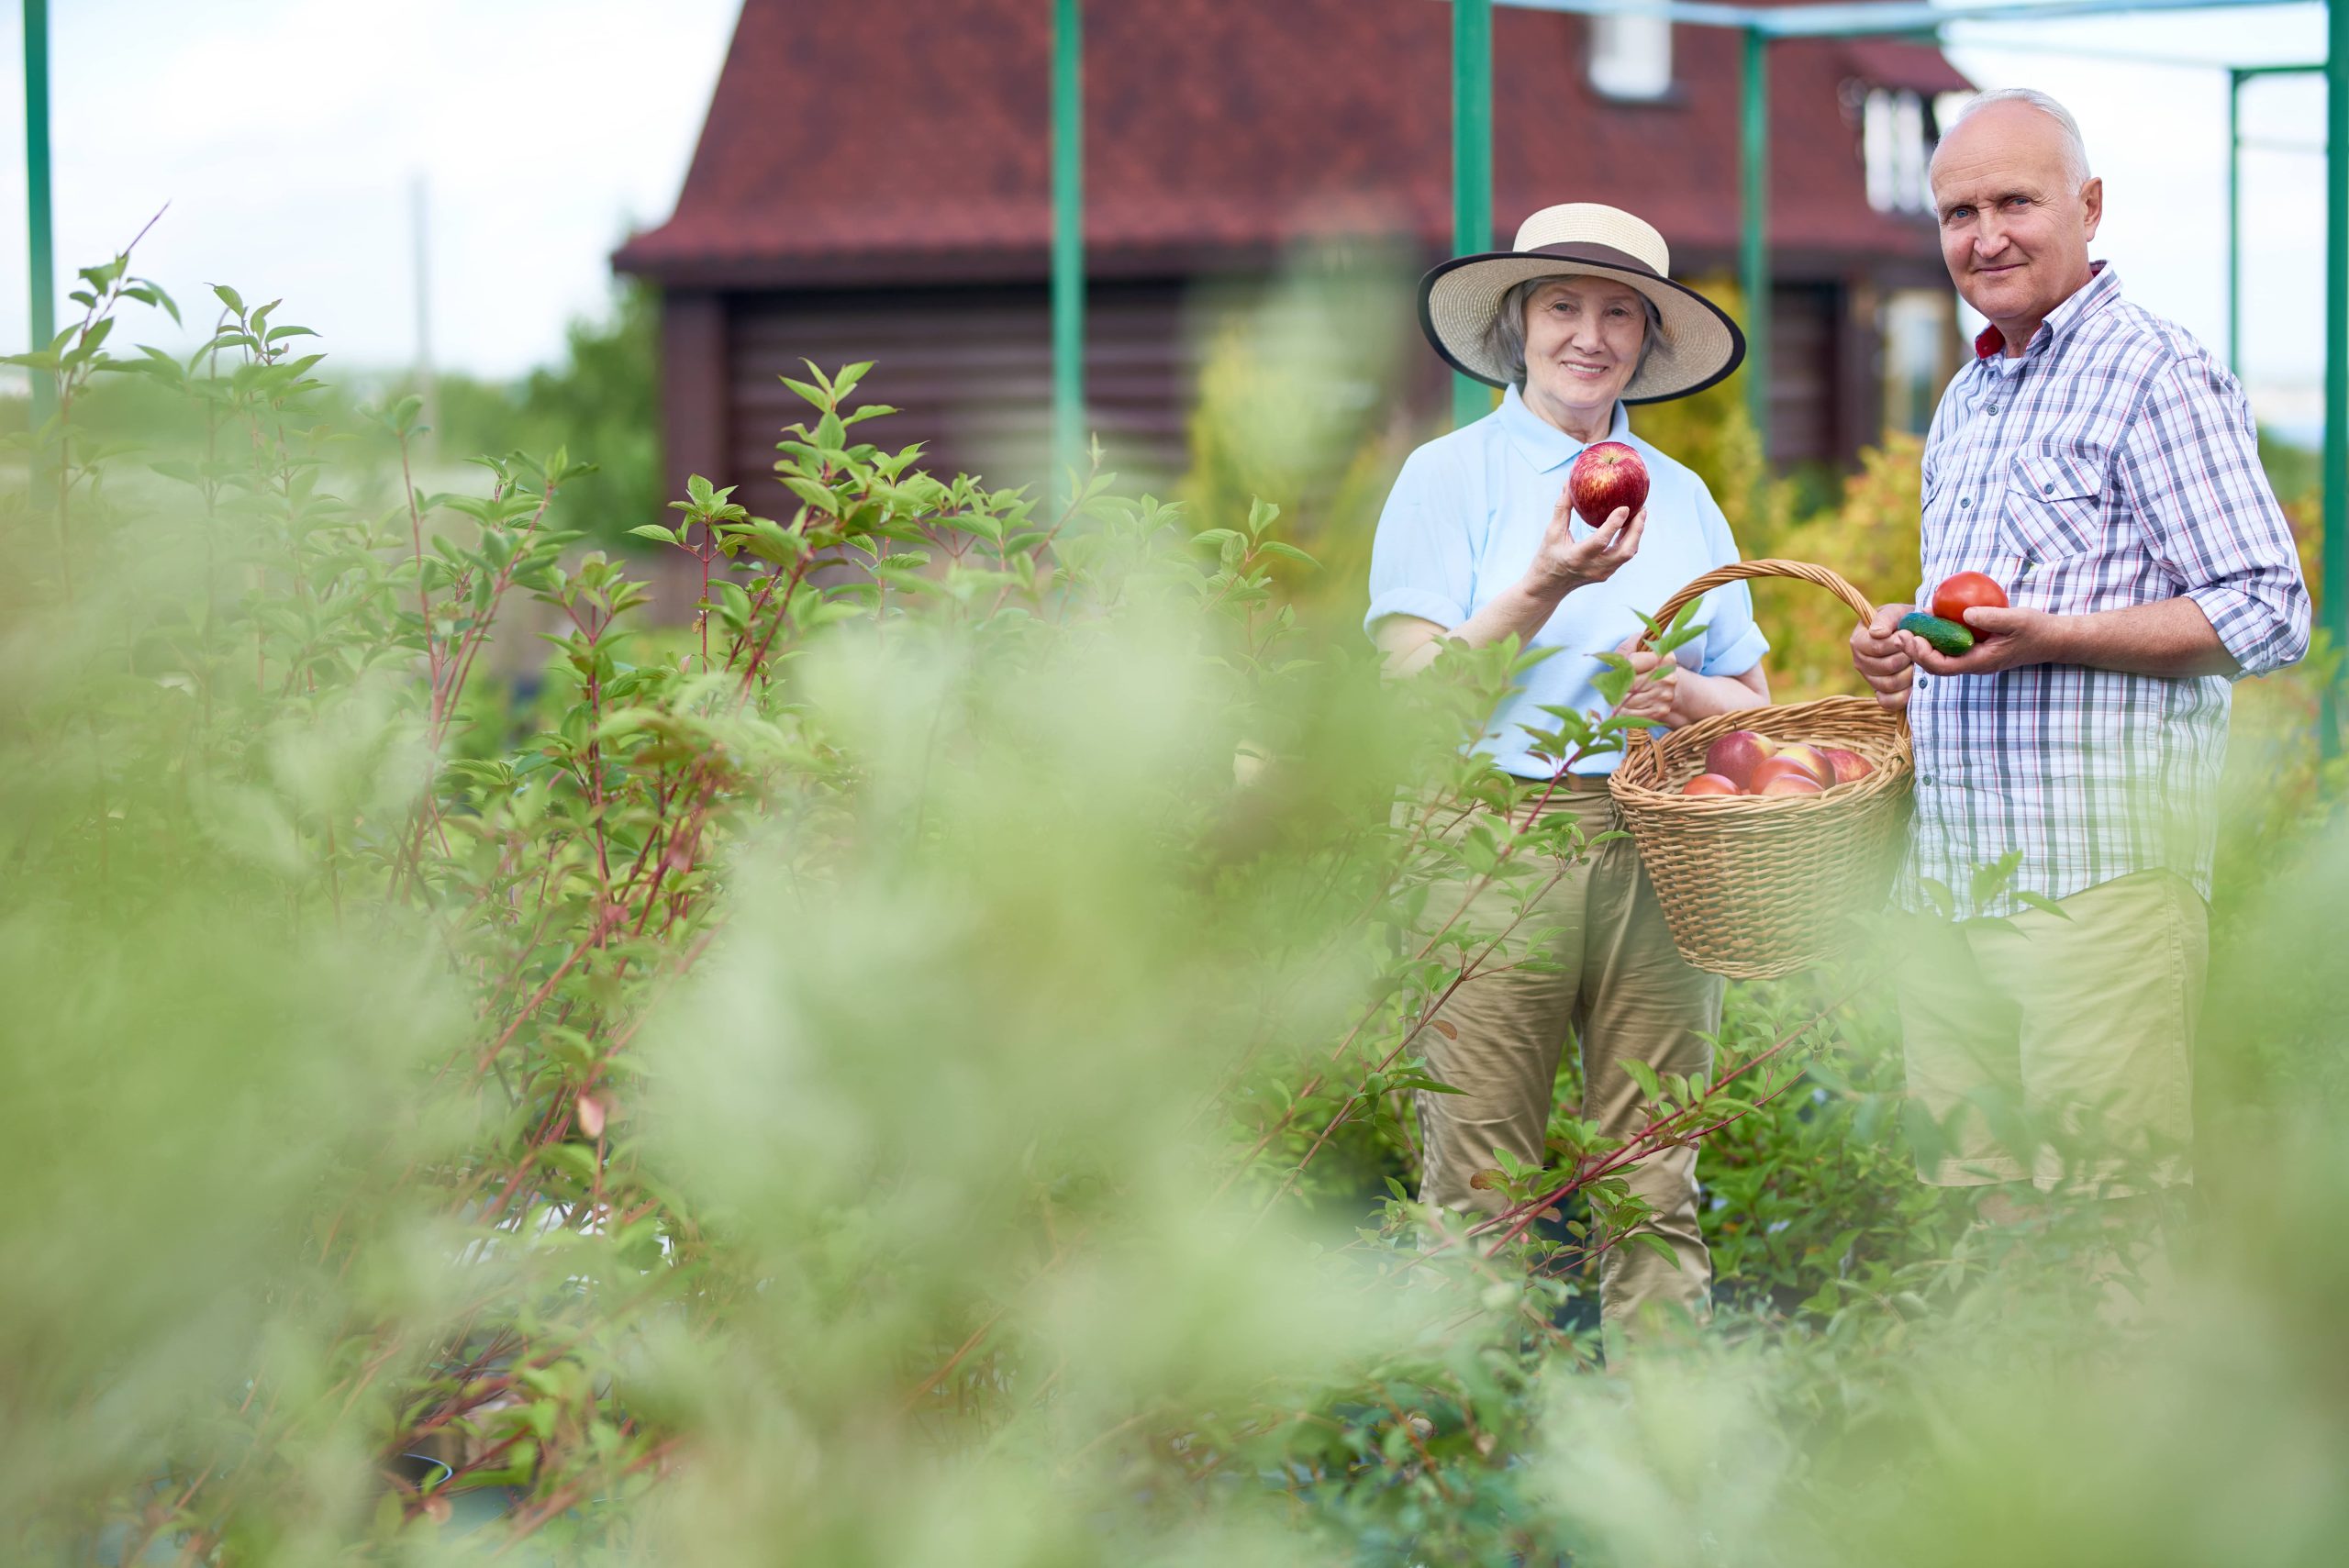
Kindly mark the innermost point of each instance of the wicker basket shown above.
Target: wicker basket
(1760, 885)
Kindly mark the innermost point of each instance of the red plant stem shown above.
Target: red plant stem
(528, 1524)
(935, 1378)
(605, 920)
(423, 593)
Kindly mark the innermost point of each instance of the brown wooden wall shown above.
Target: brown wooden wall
(970, 370)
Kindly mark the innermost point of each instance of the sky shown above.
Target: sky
(288, 138)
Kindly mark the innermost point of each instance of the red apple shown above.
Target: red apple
(1848, 765)
(1780, 767)
(1735, 755)
(1607, 475)
(1813, 760)
(1792, 782)
(1710, 784)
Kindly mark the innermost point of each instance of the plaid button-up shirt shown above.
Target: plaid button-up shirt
(2113, 463)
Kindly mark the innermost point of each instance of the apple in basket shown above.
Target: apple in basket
(1813, 760)
(1793, 781)
(1772, 769)
(1848, 765)
(1710, 784)
(1607, 475)
(1735, 755)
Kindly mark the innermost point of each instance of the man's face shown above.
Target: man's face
(2015, 232)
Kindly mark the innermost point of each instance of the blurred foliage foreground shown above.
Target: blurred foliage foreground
(916, 1069)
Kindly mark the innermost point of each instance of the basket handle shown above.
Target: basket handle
(1826, 577)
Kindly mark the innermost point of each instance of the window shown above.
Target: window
(1895, 141)
(1917, 330)
(1630, 55)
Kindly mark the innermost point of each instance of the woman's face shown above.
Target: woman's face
(1582, 343)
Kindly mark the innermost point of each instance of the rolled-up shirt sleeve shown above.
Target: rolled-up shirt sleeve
(1734, 642)
(1422, 560)
(2190, 462)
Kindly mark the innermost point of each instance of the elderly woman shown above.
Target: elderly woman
(1479, 541)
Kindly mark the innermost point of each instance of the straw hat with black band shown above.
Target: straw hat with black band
(1698, 344)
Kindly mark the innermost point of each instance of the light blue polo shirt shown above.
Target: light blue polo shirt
(1464, 520)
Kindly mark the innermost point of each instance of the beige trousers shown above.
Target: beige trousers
(1618, 988)
(2083, 1022)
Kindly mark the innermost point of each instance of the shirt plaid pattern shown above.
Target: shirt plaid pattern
(2114, 463)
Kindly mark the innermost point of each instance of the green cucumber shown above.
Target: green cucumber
(1941, 635)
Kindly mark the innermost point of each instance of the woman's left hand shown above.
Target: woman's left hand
(1656, 695)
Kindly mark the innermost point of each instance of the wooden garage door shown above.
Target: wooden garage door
(969, 370)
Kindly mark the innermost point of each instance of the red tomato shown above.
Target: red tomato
(1967, 590)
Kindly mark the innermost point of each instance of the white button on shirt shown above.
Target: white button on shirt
(1462, 522)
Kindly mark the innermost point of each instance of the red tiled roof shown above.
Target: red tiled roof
(1893, 63)
(905, 138)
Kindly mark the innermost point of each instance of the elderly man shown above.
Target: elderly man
(2096, 462)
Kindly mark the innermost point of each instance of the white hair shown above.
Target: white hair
(2076, 151)
(1505, 336)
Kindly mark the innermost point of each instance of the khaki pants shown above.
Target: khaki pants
(2084, 1026)
(1623, 991)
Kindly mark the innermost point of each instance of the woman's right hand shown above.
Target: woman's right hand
(1564, 562)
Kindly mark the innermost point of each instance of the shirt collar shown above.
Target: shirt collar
(1542, 443)
(2102, 287)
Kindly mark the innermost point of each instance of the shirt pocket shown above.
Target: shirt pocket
(2054, 505)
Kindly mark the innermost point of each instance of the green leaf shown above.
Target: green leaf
(1989, 878)
(655, 532)
(1658, 1244)
(1642, 1075)
(229, 297)
(2040, 901)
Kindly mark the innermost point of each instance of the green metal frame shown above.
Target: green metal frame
(2336, 566)
(1472, 164)
(2236, 76)
(1068, 239)
(1753, 231)
(39, 241)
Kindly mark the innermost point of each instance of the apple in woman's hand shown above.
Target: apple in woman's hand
(1607, 475)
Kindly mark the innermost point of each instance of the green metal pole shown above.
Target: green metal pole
(2336, 352)
(1472, 164)
(2234, 222)
(1754, 167)
(1068, 237)
(43, 266)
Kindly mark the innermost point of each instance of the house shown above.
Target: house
(873, 184)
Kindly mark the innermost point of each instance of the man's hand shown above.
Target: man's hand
(2004, 639)
(1564, 562)
(1884, 656)
(1655, 695)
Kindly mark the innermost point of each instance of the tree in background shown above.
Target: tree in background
(603, 401)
